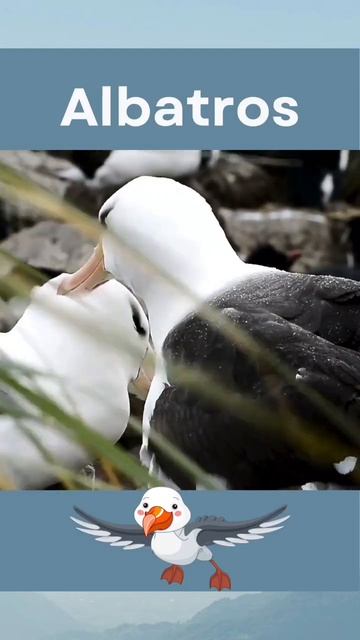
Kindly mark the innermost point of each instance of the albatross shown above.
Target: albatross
(122, 165)
(164, 524)
(311, 323)
(62, 340)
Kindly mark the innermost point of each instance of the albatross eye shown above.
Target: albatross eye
(145, 505)
(137, 321)
(174, 506)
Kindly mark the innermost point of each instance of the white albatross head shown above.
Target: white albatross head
(163, 241)
(167, 224)
(159, 222)
(162, 510)
(105, 318)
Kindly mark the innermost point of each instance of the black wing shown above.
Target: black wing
(249, 455)
(325, 305)
(126, 537)
(228, 534)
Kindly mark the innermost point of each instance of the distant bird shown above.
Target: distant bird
(308, 178)
(164, 525)
(310, 324)
(115, 168)
(83, 351)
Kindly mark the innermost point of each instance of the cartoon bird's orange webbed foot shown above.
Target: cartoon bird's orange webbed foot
(173, 574)
(219, 580)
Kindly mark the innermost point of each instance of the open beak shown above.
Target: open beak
(89, 276)
(156, 519)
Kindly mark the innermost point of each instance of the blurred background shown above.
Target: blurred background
(295, 210)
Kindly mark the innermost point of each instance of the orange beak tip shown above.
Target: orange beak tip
(148, 523)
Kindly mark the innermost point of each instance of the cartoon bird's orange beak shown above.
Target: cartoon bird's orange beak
(89, 276)
(156, 519)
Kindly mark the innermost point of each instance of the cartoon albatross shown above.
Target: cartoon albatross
(165, 527)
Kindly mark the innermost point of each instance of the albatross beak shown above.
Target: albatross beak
(141, 384)
(89, 276)
(156, 519)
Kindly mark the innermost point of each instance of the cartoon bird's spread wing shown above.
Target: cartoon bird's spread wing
(126, 537)
(214, 530)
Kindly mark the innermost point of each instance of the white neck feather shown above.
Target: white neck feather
(173, 228)
(192, 274)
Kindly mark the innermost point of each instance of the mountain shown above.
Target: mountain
(265, 616)
(278, 616)
(104, 610)
(30, 616)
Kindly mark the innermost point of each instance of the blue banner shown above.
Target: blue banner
(316, 548)
(179, 99)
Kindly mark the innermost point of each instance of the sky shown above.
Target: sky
(181, 23)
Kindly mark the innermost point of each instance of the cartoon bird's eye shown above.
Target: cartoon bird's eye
(174, 506)
(145, 505)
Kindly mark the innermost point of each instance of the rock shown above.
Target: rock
(41, 169)
(237, 187)
(50, 246)
(47, 172)
(86, 198)
(321, 241)
(234, 182)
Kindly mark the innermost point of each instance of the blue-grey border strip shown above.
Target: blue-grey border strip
(37, 84)
(317, 550)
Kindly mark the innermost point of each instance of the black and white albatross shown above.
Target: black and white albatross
(311, 323)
